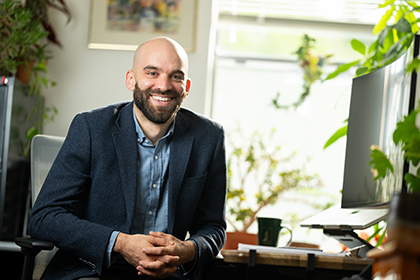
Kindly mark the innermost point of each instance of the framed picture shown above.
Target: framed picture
(124, 24)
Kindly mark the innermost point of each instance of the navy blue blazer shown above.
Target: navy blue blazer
(90, 190)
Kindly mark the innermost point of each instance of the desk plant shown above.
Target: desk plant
(25, 34)
(258, 174)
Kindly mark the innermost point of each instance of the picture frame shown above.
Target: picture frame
(123, 24)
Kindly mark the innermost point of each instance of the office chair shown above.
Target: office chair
(44, 149)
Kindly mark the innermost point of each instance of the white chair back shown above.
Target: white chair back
(44, 150)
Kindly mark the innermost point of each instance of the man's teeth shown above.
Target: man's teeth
(161, 98)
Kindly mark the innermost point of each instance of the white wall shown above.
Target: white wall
(88, 78)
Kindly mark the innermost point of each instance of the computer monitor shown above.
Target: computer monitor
(378, 101)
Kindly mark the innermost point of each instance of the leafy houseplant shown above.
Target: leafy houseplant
(25, 34)
(394, 34)
(258, 174)
(311, 64)
(406, 134)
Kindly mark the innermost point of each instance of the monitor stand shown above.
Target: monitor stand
(350, 239)
(340, 224)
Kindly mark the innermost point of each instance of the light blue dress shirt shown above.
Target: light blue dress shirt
(152, 189)
(152, 195)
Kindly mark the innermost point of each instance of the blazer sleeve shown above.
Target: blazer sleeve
(55, 213)
(208, 229)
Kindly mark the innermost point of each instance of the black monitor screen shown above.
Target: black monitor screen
(378, 101)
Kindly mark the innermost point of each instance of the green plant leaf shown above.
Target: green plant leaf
(373, 46)
(358, 46)
(337, 135)
(382, 23)
(387, 3)
(381, 239)
(406, 130)
(398, 48)
(341, 69)
(31, 132)
(402, 25)
(377, 230)
(412, 182)
(362, 70)
(380, 163)
(412, 4)
(413, 65)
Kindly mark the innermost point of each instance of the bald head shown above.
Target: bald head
(162, 46)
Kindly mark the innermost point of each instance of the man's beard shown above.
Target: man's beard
(163, 113)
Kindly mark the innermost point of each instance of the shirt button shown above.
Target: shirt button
(150, 213)
(138, 139)
(154, 186)
(147, 141)
(156, 157)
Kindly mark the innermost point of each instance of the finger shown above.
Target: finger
(152, 265)
(167, 260)
(159, 241)
(158, 251)
(170, 261)
(144, 271)
(168, 237)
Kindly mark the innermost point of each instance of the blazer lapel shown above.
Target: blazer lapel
(126, 148)
(181, 145)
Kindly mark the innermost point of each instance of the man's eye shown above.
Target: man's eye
(176, 77)
(152, 73)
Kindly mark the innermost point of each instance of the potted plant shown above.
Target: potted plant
(258, 174)
(25, 37)
(25, 34)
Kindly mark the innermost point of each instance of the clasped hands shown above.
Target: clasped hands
(157, 255)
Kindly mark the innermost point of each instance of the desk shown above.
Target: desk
(269, 265)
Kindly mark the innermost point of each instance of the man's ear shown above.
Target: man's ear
(130, 81)
(187, 88)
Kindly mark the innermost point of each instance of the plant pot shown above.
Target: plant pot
(403, 222)
(234, 238)
(24, 72)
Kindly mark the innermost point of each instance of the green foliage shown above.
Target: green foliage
(395, 32)
(258, 173)
(21, 37)
(379, 234)
(380, 163)
(337, 135)
(25, 34)
(311, 65)
(393, 39)
(407, 135)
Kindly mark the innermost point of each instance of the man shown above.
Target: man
(133, 179)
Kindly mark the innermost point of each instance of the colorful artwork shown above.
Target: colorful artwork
(157, 16)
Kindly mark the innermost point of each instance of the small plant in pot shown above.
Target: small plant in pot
(259, 172)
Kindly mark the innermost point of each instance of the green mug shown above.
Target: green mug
(269, 230)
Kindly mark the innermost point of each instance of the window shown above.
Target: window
(255, 60)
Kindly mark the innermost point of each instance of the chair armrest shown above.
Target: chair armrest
(30, 246)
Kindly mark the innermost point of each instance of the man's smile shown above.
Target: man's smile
(161, 98)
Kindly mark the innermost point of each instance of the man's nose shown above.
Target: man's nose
(163, 83)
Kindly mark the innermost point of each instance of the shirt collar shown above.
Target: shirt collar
(142, 137)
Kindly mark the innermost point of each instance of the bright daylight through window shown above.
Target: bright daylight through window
(256, 67)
